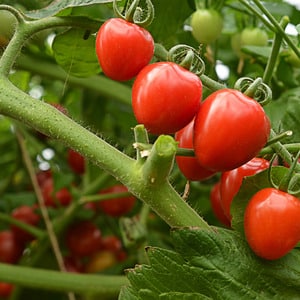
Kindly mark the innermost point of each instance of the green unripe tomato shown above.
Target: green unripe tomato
(7, 26)
(291, 58)
(207, 25)
(248, 37)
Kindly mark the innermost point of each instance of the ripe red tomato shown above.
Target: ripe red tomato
(230, 129)
(271, 223)
(116, 207)
(83, 238)
(10, 249)
(5, 289)
(73, 264)
(76, 161)
(61, 197)
(166, 97)
(27, 215)
(111, 243)
(231, 181)
(207, 25)
(188, 165)
(215, 201)
(123, 49)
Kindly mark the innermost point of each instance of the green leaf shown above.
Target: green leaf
(169, 19)
(212, 264)
(75, 54)
(58, 6)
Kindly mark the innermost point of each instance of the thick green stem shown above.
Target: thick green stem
(102, 285)
(269, 71)
(47, 119)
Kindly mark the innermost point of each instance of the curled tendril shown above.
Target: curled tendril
(136, 13)
(254, 88)
(188, 58)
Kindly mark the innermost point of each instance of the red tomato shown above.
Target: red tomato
(117, 207)
(76, 161)
(10, 249)
(123, 49)
(83, 238)
(215, 201)
(189, 166)
(230, 129)
(61, 197)
(6, 289)
(166, 97)
(27, 215)
(231, 181)
(271, 223)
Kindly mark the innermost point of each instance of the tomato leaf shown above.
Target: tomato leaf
(75, 54)
(216, 264)
(60, 6)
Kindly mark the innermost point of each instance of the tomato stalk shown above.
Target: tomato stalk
(101, 285)
(275, 51)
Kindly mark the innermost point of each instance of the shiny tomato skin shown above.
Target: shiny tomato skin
(117, 207)
(271, 223)
(231, 181)
(215, 202)
(83, 238)
(230, 129)
(123, 49)
(189, 165)
(10, 249)
(25, 214)
(165, 97)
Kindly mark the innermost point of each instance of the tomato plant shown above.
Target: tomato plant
(117, 206)
(83, 238)
(272, 223)
(123, 48)
(189, 166)
(165, 87)
(207, 25)
(171, 112)
(240, 126)
(231, 181)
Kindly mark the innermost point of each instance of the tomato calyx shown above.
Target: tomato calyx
(254, 88)
(135, 13)
(188, 58)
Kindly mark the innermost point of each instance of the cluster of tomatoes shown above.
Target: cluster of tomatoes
(226, 131)
(85, 248)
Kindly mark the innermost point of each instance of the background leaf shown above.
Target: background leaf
(58, 6)
(75, 54)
